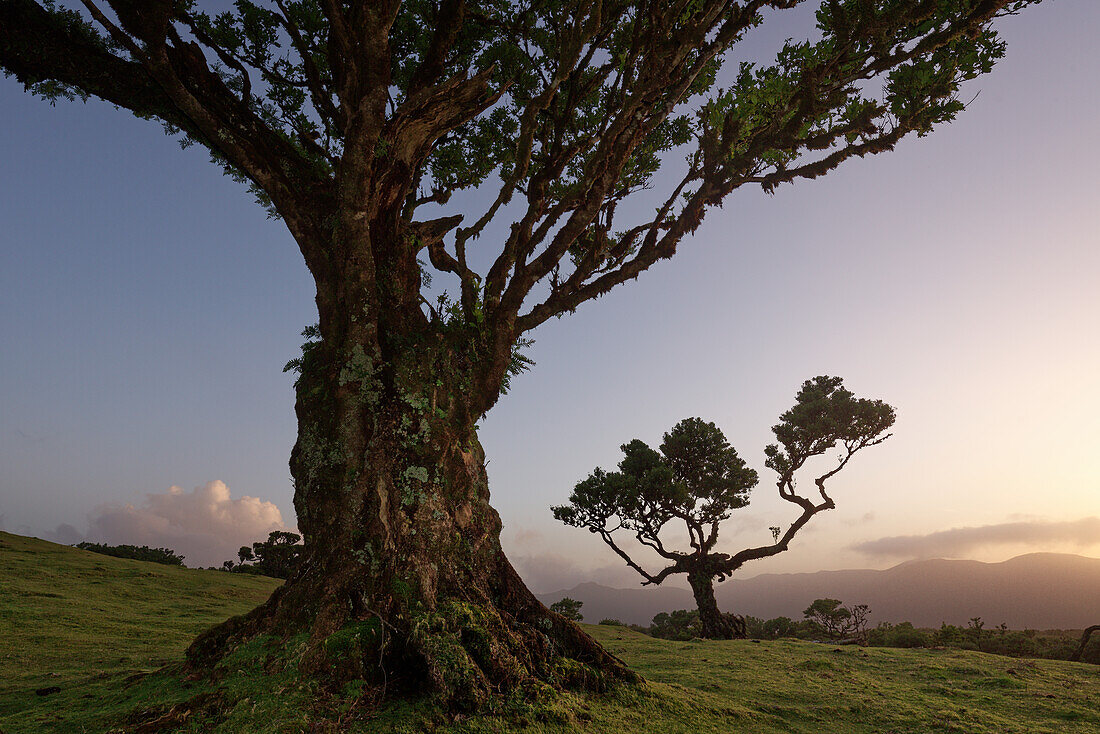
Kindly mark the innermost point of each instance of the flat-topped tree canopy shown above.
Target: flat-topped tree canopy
(357, 122)
(693, 483)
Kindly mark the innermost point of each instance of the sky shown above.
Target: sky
(147, 308)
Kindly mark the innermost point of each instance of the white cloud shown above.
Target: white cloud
(205, 525)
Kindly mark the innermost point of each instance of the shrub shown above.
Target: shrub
(167, 556)
(682, 624)
(906, 635)
(948, 635)
(773, 629)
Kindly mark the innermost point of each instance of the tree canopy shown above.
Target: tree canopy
(278, 556)
(568, 608)
(696, 479)
(564, 110)
(829, 617)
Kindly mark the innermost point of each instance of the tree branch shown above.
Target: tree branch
(37, 45)
(622, 554)
(321, 96)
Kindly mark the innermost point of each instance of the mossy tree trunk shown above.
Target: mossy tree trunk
(714, 624)
(404, 580)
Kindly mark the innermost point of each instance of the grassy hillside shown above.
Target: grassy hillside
(70, 618)
(92, 626)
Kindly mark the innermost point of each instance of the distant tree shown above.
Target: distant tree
(975, 629)
(903, 634)
(948, 635)
(772, 629)
(1052, 645)
(278, 556)
(568, 608)
(681, 624)
(166, 556)
(698, 479)
(831, 619)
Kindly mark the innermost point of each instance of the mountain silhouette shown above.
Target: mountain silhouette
(1034, 591)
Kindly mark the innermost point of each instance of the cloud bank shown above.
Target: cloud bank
(205, 525)
(958, 542)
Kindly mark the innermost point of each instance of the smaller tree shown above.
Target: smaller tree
(698, 479)
(772, 629)
(278, 556)
(568, 608)
(828, 618)
(976, 629)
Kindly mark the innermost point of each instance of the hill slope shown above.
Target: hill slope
(1037, 591)
(68, 613)
(87, 625)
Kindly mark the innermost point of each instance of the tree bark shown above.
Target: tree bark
(1076, 656)
(715, 624)
(403, 582)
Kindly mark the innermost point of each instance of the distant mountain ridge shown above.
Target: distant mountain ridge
(1036, 591)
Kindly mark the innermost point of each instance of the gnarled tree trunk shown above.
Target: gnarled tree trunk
(403, 578)
(715, 624)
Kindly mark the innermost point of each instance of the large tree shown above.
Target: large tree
(356, 122)
(697, 480)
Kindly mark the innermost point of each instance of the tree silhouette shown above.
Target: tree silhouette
(356, 123)
(278, 556)
(698, 479)
(568, 608)
(830, 618)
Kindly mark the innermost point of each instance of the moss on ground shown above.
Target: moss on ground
(100, 629)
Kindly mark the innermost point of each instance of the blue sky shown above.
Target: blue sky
(148, 308)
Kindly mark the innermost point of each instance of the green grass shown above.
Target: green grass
(82, 622)
(96, 626)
